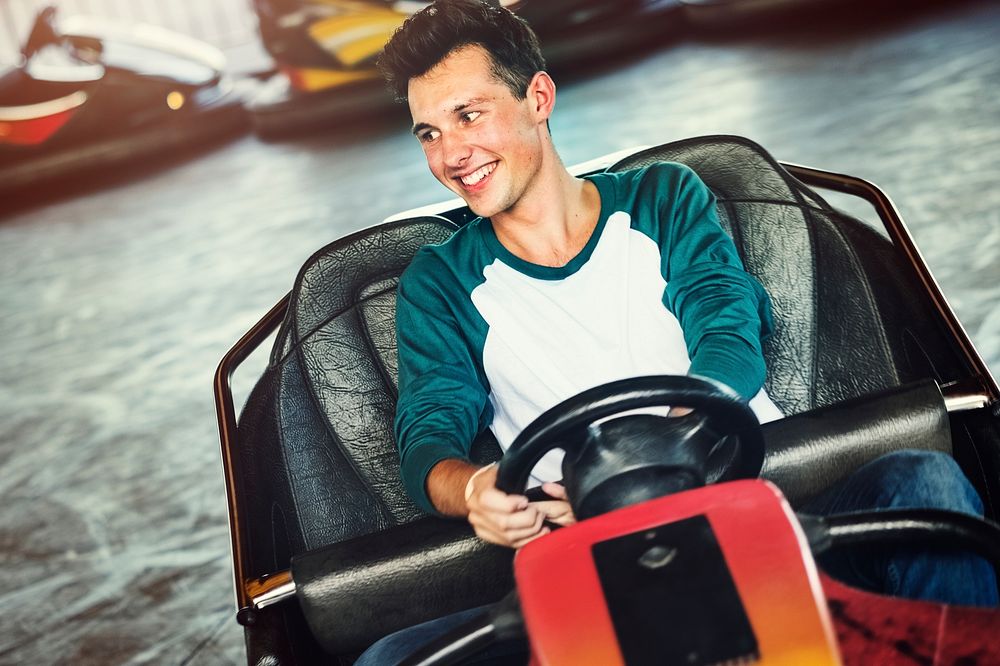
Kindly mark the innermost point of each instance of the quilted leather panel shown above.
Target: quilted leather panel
(378, 313)
(852, 355)
(330, 499)
(350, 392)
(354, 398)
(727, 225)
(332, 280)
(259, 466)
(777, 250)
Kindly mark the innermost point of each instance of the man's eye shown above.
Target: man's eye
(469, 116)
(427, 137)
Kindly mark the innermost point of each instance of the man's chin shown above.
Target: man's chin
(477, 207)
(481, 205)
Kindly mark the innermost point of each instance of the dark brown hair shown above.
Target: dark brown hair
(427, 37)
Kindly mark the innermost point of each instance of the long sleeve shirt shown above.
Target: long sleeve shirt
(489, 340)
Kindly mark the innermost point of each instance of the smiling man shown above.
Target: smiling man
(565, 283)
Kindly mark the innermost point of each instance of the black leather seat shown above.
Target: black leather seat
(317, 469)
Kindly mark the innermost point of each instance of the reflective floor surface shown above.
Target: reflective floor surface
(117, 304)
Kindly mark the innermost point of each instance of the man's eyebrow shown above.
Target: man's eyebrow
(458, 108)
(462, 106)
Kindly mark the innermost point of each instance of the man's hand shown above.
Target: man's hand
(556, 511)
(510, 520)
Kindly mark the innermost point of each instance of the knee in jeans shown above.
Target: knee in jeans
(929, 479)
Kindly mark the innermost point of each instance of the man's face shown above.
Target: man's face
(480, 141)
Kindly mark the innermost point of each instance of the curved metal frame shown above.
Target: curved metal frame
(980, 391)
(226, 414)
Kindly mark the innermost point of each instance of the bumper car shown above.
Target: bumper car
(89, 96)
(325, 53)
(867, 358)
(325, 50)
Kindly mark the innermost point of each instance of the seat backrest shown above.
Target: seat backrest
(846, 323)
(317, 455)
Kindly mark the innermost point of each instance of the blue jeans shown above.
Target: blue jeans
(908, 480)
(905, 479)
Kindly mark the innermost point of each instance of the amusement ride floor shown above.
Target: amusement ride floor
(117, 304)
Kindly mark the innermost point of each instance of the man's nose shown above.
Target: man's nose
(456, 150)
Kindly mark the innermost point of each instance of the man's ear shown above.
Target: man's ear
(542, 95)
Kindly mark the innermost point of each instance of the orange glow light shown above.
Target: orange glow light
(175, 100)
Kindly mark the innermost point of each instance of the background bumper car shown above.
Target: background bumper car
(867, 358)
(325, 50)
(90, 96)
(325, 53)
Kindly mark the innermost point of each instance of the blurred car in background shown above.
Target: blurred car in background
(325, 50)
(89, 96)
(324, 53)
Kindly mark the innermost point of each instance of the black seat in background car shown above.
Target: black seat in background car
(316, 462)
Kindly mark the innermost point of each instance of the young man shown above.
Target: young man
(566, 283)
(561, 285)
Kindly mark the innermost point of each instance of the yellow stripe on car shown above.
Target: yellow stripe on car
(354, 38)
(311, 80)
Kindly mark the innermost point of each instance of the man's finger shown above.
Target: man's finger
(556, 490)
(523, 542)
(520, 534)
(491, 499)
(489, 535)
(560, 513)
(527, 525)
(505, 522)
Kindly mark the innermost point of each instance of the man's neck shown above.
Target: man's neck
(554, 218)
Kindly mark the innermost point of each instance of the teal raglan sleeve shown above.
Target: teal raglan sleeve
(442, 401)
(724, 311)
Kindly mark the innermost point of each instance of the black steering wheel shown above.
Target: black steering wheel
(641, 447)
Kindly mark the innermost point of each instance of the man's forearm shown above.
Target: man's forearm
(731, 360)
(446, 486)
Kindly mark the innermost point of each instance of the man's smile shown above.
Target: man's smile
(475, 180)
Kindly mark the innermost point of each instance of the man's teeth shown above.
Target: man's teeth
(478, 174)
